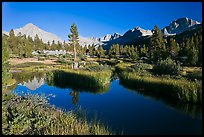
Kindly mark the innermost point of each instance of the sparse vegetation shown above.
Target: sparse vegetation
(23, 115)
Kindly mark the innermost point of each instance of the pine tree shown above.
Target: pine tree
(27, 47)
(193, 53)
(200, 49)
(134, 53)
(92, 50)
(117, 51)
(74, 40)
(5, 61)
(101, 51)
(125, 51)
(112, 51)
(59, 45)
(20, 47)
(52, 47)
(36, 42)
(174, 48)
(64, 45)
(47, 47)
(121, 49)
(158, 47)
(13, 41)
(144, 51)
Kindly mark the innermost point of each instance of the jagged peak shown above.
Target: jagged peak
(117, 33)
(185, 18)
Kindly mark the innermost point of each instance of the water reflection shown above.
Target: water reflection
(33, 84)
(80, 83)
(76, 82)
(64, 80)
(75, 96)
(28, 77)
(193, 110)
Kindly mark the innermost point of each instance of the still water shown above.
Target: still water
(121, 109)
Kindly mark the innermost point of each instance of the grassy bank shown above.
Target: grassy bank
(81, 80)
(169, 88)
(32, 115)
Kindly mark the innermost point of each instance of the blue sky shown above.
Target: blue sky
(96, 19)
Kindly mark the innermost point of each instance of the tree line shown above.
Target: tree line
(187, 49)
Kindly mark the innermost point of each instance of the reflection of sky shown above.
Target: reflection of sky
(121, 109)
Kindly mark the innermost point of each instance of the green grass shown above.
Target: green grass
(80, 79)
(176, 89)
(194, 75)
(27, 64)
(32, 115)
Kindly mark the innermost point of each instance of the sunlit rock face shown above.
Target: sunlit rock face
(33, 84)
(135, 33)
(180, 25)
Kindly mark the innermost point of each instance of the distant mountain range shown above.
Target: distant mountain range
(176, 27)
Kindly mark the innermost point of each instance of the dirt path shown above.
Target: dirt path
(15, 61)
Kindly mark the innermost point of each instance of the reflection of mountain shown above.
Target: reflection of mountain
(34, 84)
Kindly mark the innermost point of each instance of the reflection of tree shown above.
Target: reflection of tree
(75, 96)
(26, 76)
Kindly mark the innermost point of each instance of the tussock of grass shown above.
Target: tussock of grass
(80, 79)
(103, 76)
(32, 115)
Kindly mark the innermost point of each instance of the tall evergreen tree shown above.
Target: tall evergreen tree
(143, 51)
(158, 47)
(192, 53)
(174, 48)
(117, 51)
(133, 52)
(5, 61)
(13, 41)
(74, 40)
(36, 42)
(101, 51)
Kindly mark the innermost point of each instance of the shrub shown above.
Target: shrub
(167, 66)
(97, 68)
(195, 75)
(32, 115)
(41, 58)
(140, 67)
(61, 60)
(82, 57)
